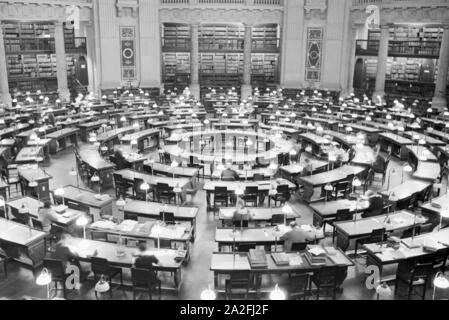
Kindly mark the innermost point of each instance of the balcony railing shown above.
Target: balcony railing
(172, 43)
(260, 3)
(419, 3)
(425, 49)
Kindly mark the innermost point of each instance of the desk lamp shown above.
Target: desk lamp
(277, 294)
(145, 187)
(440, 282)
(44, 279)
(383, 291)
(74, 173)
(208, 294)
(60, 193)
(121, 203)
(405, 168)
(82, 222)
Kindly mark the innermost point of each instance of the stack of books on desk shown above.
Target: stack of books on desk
(280, 258)
(257, 259)
(315, 255)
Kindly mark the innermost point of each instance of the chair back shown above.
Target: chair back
(245, 247)
(251, 191)
(422, 270)
(277, 219)
(258, 177)
(378, 235)
(137, 183)
(240, 223)
(283, 189)
(167, 217)
(131, 216)
(326, 276)
(344, 215)
(99, 236)
(143, 278)
(37, 224)
(221, 191)
(239, 279)
(100, 266)
(55, 267)
(299, 246)
(164, 243)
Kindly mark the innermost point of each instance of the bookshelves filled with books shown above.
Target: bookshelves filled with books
(221, 69)
(31, 56)
(264, 69)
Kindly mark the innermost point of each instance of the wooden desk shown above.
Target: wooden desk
(429, 140)
(86, 249)
(32, 173)
(30, 154)
(87, 128)
(228, 263)
(146, 139)
(97, 207)
(63, 139)
(166, 170)
(293, 171)
(433, 213)
(407, 189)
(348, 231)
(90, 156)
(397, 143)
(313, 182)
(327, 211)
(317, 142)
(22, 243)
(382, 255)
(257, 214)
(263, 187)
(114, 135)
(66, 219)
(427, 167)
(152, 210)
(260, 236)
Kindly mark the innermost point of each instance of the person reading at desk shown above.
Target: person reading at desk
(376, 204)
(296, 235)
(63, 252)
(229, 174)
(46, 216)
(241, 214)
(144, 261)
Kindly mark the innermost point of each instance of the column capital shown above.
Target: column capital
(195, 24)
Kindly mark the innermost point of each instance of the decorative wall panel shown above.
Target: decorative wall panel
(314, 54)
(128, 59)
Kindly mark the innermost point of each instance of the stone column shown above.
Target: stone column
(247, 50)
(352, 45)
(382, 63)
(61, 64)
(439, 99)
(194, 60)
(91, 59)
(5, 96)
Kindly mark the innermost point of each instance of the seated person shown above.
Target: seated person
(296, 235)
(229, 174)
(63, 252)
(47, 216)
(144, 261)
(376, 205)
(242, 213)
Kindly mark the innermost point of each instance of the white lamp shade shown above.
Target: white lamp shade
(277, 294)
(383, 290)
(208, 295)
(82, 221)
(441, 282)
(59, 192)
(44, 279)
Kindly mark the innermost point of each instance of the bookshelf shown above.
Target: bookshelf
(264, 68)
(410, 33)
(31, 57)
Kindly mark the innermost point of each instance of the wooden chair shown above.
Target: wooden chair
(221, 197)
(246, 247)
(165, 193)
(143, 279)
(282, 196)
(299, 246)
(58, 274)
(377, 236)
(277, 219)
(238, 283)
(326, 279)
(101, 267)
(342, 215)
(251, 196)
(168, 217)
(139, 194)
(416, 276)
(99, 236)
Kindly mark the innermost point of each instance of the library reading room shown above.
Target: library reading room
(224, 150)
